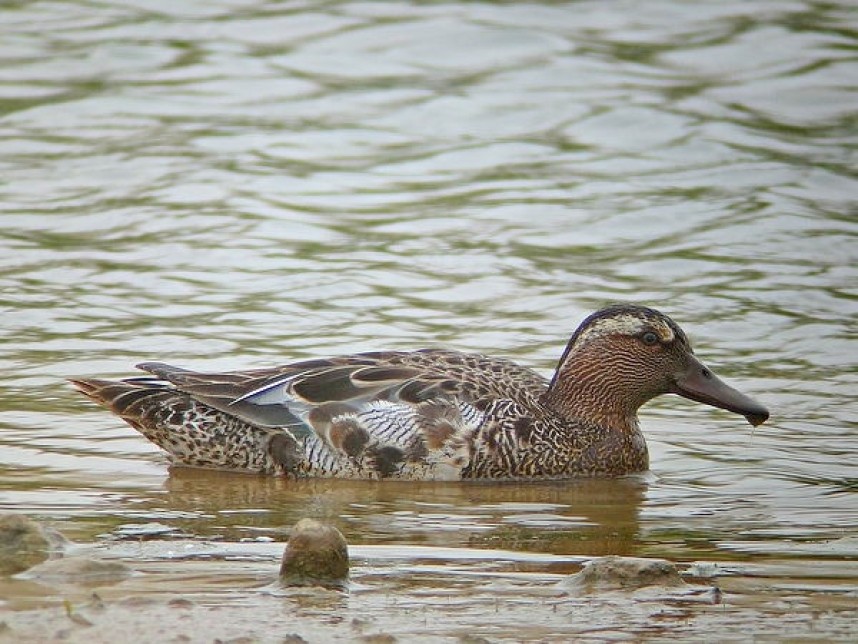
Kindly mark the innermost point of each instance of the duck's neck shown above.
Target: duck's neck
(577, 395)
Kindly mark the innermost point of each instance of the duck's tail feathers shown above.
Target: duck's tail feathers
(192, 433)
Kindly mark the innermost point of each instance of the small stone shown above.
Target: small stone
(23, 543)
(379, 638)
(180, 602)
(624, 573)
(717, 597)
(293, 638)
(316, 555)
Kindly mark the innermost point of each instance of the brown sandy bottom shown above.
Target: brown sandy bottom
(215, 592)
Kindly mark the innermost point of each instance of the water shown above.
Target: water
(234, 184)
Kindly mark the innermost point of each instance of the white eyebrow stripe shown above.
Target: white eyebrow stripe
(664, 330)
(622, 324)
(629, 325)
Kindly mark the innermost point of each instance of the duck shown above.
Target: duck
(428, 414)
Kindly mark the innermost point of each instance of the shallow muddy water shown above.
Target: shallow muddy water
(233, 184)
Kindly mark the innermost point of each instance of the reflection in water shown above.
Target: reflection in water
(581, 517)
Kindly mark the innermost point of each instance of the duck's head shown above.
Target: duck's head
(624, 355)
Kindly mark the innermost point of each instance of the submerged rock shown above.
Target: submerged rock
(146, 531)
(24, 543)
(316, 555)
(80, 570)
(624, 573)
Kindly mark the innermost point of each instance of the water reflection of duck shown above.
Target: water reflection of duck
(429, 414)
(588, 516)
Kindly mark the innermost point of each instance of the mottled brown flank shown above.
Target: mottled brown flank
(286, 452)
(320, 417)
(348, 435)
(438, 433)
(439, 421)
(417, 452)
(387, 460)
(416, 414)
(523, 428)
(482, 404)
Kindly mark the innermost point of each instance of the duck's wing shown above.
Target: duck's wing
(281, 396)
(274, 397)
(402, 393)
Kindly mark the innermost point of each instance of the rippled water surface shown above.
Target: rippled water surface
(241, 183)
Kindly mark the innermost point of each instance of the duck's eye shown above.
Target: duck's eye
(649, 338)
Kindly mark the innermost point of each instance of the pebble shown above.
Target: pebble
(316, 555)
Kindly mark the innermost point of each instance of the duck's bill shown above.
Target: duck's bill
(700, 384)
